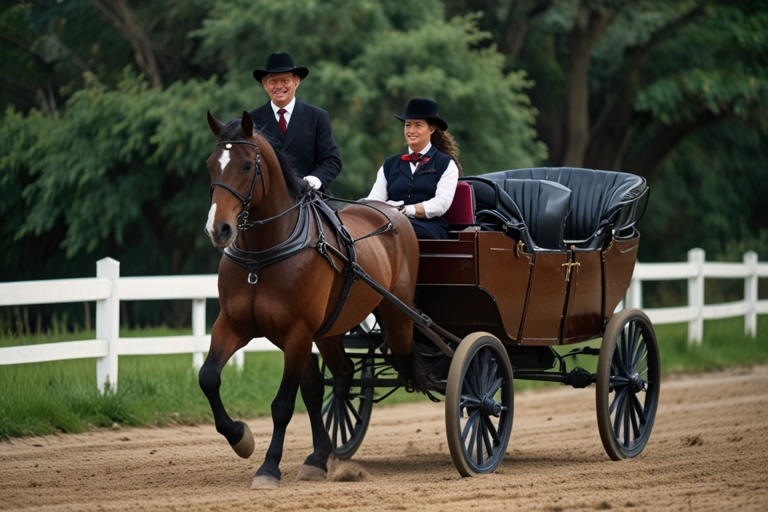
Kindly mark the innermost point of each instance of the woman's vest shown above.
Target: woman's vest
(413, 188)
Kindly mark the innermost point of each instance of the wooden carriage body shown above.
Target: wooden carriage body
(510, 277)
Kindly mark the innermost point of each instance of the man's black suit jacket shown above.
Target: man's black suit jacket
(309, 140)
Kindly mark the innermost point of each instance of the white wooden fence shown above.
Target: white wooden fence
(108, 289)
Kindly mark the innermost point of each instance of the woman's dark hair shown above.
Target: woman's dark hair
(445, 143)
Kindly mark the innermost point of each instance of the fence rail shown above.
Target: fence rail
(108, 289)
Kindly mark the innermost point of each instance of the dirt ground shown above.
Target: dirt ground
(708, 451)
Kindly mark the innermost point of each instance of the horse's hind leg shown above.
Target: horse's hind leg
(312, 390)
(399, 329)
(224, 342)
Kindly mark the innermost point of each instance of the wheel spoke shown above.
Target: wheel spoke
(618, 364)
(627, 414)
(354, 412)
(347, 417)
(641, 411)
(470, 402)
(326, 412)
(470, 429)
(641, 359)
(632, 413)
(479, 444)
(619, 407)
(346, 428)
(487, 440)
(493, 388)
(335, 425)
(492, 430)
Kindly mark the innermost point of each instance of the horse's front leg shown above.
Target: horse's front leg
(225, 341)
(296, 353)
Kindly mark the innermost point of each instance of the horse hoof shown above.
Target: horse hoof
(265, 482)
(245, 446)
(311, 473)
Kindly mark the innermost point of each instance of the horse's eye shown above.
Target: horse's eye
(247, 167)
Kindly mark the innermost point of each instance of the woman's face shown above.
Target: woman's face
(417, 133)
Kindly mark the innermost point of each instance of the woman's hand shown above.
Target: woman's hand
(414, 210)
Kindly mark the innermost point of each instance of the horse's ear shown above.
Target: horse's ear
(247, 124)
(214, 124)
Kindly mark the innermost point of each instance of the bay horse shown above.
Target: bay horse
(258, 205)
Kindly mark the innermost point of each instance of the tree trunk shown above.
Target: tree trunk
(120, 15)
(588, 26)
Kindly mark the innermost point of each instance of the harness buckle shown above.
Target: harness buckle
(253, 278)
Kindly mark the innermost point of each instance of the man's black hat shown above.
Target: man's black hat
(280, 62)
(420, 108)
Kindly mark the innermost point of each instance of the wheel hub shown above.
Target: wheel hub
(636, 383)
(491, 407)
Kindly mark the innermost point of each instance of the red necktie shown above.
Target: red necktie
(283, 124)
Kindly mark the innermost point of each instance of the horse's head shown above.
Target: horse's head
(236, 168)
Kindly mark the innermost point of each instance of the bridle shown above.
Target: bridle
(242, 218)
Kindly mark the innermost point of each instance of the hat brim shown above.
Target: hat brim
(435, 120)
(300, 71)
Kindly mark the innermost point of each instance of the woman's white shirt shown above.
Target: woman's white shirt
(435, 207)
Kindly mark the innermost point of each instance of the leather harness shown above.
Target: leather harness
(311, 207)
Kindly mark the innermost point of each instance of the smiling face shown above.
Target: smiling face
(281, 87)
(417, 133)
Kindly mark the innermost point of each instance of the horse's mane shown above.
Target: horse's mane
(297, 187)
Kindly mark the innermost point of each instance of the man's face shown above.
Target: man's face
(281, 87)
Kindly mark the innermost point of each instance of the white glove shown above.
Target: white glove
(314, 182)
(410, 210)
(394, 203)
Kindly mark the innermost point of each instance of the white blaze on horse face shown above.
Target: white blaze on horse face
(211, 216)
(224, 160)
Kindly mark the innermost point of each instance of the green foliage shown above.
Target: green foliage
(119, 170)
(710, 194)
(487, 111)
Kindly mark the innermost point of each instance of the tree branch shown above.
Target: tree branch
(647, 161)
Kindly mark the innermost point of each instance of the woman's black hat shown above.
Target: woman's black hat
(420, 108)
(280, 62)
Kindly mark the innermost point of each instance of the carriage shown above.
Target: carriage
(536, 258)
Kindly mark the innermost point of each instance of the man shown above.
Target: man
(303, 131)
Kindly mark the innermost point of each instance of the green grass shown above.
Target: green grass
(61, 396)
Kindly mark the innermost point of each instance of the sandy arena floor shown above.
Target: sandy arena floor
(708, 451)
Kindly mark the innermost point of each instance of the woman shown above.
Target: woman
(421, 182)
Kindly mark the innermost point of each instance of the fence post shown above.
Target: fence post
(238, 359)
(198, 329)
(634, 298)
(108, 325)
(696, 296)
(750, 293)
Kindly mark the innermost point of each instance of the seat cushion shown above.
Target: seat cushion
(462, 210)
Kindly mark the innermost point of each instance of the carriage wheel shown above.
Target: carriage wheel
(628, 372)
(479, 404)
(347, 420)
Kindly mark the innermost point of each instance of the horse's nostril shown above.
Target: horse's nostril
(225, 232)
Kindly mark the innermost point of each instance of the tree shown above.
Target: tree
(621, 82)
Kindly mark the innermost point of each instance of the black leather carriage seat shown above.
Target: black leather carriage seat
(544, 206)
(599, 199)
(538, 207)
